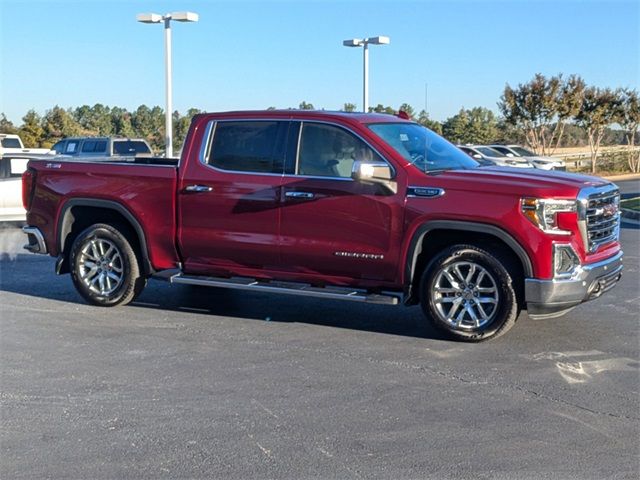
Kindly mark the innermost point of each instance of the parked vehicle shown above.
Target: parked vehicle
(12, 145)
(13, 161)
(101, 147)
(11, 169)
(361, 207)
(544, 163)
(489, 156)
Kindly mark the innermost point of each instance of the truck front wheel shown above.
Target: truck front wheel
(104, 267)
(468, 292)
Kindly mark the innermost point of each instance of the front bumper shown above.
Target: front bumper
(36, 240)
(552, 298)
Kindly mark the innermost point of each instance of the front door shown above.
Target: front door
(333, 227)
(229, 199)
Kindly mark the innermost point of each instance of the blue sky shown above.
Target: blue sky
(256, 54)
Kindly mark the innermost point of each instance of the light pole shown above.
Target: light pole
(357, 42)
(156, 18)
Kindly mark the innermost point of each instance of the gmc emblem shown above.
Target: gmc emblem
(609, 210)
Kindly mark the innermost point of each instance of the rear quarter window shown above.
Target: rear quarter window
(11, 143)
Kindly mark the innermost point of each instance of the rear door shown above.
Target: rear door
(229, 197)
(331, 225)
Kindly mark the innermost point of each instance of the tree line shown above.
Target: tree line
(98, 120)
(545, 113)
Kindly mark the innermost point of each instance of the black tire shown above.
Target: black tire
(483, 311)
(104, 267)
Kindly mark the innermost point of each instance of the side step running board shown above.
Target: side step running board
(291, 288)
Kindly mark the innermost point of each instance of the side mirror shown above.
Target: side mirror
(374, 173)
(477, 156)
(510, 155)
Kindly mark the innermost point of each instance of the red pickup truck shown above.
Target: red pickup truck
(361, 207)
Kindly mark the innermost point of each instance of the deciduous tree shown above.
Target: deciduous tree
(541, 108)
(600, 107)
(31, 131)
(424, 120)
(94, 120)
(6, 125)
(382, 109)
(629, 120)
(58, 123)
(121, 123)
(477, 125)
(149, 123)
(181, 127)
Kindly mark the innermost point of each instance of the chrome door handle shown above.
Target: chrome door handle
(306, 195)
(197, 189)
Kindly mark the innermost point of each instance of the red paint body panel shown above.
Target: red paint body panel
(248, 226)
(147, 192)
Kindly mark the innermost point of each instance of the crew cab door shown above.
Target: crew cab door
(332, 226)
(229, 196)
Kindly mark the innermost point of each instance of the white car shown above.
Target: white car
(544, 163)
(488, 156)
(11, 209)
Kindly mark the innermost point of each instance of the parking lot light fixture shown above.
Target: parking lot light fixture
(157, 18)
(364, 43)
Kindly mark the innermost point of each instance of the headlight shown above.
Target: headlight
(542, 212)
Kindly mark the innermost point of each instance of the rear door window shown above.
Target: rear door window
(94, 146)
(251, 146)
(88, 146)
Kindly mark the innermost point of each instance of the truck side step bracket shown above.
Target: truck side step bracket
(291, 288)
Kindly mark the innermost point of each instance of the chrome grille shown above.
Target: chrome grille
(601, 217)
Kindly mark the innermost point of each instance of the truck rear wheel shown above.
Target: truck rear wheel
(468, 292)
(104, 267)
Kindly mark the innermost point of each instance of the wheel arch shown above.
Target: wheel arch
(79, 213)
(443, 231)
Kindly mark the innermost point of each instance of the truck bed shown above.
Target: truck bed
(144, 186)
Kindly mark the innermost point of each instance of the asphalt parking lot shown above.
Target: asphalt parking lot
(207, 383)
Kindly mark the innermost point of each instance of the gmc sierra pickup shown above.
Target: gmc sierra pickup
(360, 207)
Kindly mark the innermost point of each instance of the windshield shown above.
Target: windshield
(523, 152)
(489, 152)
(423, 148)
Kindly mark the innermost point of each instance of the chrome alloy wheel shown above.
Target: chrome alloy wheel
(101, 267)
(465, 295)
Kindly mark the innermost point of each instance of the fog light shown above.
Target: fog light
(565, 261)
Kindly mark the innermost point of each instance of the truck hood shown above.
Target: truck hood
(529, 182)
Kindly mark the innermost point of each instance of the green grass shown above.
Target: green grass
(631, 204)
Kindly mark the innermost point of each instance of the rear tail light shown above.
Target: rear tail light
(28, 184)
